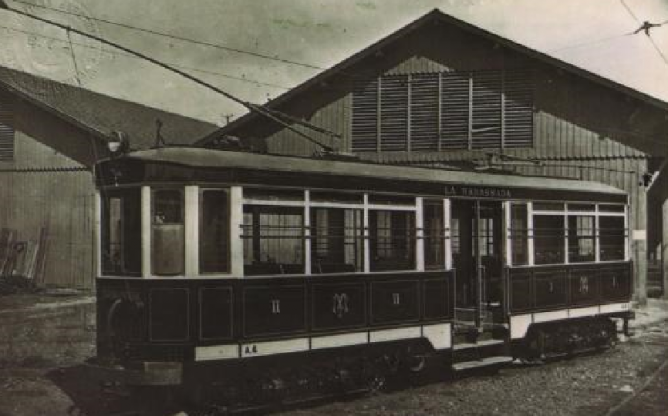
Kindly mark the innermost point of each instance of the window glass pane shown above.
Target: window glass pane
(392, 240)
(455, 236)
(611, 238)
(214, 233)
(582, 207)
(338, 197)
(548, 239)
(434, 254)
(121, 232)
(167, 244)
(611, 208)
(391, 200)
(167, 206)
(273, 240)
(273, 194)
(336, 240)
(518, 234)
(581, 244)
(547, 206)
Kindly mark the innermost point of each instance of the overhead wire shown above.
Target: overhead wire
(592, 42)
(250, 106)
(176, 37)
(651, 40)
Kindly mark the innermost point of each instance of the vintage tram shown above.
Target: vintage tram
(240, 272)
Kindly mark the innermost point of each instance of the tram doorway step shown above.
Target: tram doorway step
(484, 362)
(480, 347)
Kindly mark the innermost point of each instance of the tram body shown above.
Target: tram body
(214, 264)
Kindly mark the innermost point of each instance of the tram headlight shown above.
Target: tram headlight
(117, 143)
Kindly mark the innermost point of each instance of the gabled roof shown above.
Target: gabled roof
(101, 114)
(434, 16)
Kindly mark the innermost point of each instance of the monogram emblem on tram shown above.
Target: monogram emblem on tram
(275, 306)
(339, 304)
(396, 299)
(584, 284)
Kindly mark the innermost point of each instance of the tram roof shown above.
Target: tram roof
(221, 159)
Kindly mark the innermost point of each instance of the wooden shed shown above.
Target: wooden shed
(441, 91)
(51, 134)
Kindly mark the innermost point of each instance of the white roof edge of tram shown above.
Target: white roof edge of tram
(200, 157)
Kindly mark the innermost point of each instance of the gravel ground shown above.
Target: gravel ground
(586, 385)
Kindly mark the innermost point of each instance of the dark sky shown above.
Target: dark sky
(594, 34)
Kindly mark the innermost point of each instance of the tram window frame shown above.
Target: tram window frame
(205, 227)
(433, 234)
(581, 238)
(253, 246)
(173, 262)
(603, 235)
(555, 252)
(382, 258)
(129, 250)
(336, 249)
(519, 235)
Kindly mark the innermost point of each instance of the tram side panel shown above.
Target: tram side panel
(187, 320)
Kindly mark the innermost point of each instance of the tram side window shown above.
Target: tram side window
(337, 240)
(434, 254)
(214, 232)
(168, 248)
(611, 238)
(581, 244)
(121, 232)
(519, 234)
(273, 240)
(548, 239)
(392, 240)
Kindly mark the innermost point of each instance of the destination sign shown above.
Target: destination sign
(477, 192)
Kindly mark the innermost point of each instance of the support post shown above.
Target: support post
(146, 228)
(640, 248)
(192, 230)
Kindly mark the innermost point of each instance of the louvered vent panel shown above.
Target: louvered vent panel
(394, 113)
(519, 109)
(486, 118)
(6, 129)
(424, 111)
(454, 110)
(365, 116)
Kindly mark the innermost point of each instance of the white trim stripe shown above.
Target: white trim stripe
(340, 340)
(440, 336)
(519, 324)
(395, 334)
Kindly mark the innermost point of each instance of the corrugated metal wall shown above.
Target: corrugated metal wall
(36, 192)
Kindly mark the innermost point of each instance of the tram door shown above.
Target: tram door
(477, 259)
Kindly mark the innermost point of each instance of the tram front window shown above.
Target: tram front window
(273, 240)
(167, 242)
(121, 232)
(214, 232)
